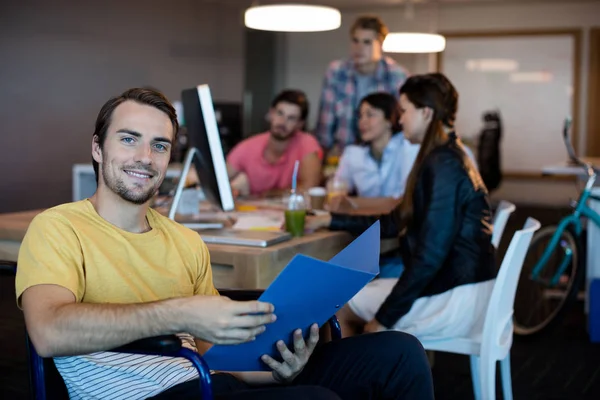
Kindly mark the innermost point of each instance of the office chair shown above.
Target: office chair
(46, 382)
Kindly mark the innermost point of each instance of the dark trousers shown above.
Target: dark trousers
(386, 365)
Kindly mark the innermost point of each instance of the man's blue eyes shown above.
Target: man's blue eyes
(158, 146)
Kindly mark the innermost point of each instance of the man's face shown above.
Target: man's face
(365, 46)
(136, 152)
(286, 119)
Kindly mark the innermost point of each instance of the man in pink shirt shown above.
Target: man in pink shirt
(264, 163)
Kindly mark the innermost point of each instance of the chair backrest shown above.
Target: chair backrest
(503, 211)
(44, 380)
(499, 314)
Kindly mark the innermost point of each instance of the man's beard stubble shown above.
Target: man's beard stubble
(118, 186)
(275, 134)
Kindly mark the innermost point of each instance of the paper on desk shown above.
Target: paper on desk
(260, 220)
(307, 291)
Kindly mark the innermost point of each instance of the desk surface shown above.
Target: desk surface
(233, 266)
(13, 227)
(567, 168)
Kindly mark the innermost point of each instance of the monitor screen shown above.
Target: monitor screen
(203, 134)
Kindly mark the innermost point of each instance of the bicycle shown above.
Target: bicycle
(554, 266)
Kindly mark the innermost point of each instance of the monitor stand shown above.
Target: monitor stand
(189, 157)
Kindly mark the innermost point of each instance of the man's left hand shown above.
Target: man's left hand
(293, 363)
(374, 326)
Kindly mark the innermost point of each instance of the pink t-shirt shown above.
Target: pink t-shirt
(248, 157)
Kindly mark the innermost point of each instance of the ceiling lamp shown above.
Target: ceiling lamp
(403, 42)
(292, 18)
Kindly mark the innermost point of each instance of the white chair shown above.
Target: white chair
(494, 343)
(503, 211)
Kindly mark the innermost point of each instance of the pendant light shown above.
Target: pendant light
(407, 42)
(292, 18)
(415, 42)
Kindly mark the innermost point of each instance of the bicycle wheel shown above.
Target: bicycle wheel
(540, 303)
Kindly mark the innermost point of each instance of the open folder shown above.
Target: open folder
(307, 291)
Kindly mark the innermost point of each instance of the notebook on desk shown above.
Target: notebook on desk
(244, 237)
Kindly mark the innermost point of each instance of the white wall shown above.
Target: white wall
(307, 55)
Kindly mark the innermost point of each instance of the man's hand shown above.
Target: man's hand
(240, 184)
(374, 326)
(293, 363)
(316, 222)
(220, 320)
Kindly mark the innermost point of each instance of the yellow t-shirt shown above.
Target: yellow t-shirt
(72, 246)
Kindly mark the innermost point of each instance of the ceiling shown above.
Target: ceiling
(346, 4)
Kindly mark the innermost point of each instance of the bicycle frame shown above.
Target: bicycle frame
(574, 220)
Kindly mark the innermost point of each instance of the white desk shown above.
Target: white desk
(567, 168)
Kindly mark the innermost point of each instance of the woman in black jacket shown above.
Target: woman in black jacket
(445, 227)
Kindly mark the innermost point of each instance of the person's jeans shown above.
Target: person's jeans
(384, 365)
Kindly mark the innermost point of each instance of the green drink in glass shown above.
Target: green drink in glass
(295, 215)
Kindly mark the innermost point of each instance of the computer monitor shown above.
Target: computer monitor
(205, 149)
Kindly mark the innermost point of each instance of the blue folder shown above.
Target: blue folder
(307, 291)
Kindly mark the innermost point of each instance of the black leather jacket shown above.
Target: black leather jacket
(448, 242)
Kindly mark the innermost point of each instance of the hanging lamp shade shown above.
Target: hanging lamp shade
(292, 18)
(404, 42)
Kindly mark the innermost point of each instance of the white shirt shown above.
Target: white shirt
(386, 178)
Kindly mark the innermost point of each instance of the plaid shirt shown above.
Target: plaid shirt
(337, 120)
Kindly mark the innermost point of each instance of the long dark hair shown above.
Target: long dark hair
(436, 92)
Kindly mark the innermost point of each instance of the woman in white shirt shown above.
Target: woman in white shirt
(380, 164)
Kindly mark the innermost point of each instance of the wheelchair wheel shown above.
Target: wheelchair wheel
(540, 303)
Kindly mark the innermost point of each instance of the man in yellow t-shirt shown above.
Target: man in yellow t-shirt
(105, 271)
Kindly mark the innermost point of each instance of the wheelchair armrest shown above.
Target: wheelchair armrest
(165, 344)
(170, 346)
(241, 294)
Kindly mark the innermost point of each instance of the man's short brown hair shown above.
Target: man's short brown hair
(373, 23)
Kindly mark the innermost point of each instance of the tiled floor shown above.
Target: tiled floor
(560, 365)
